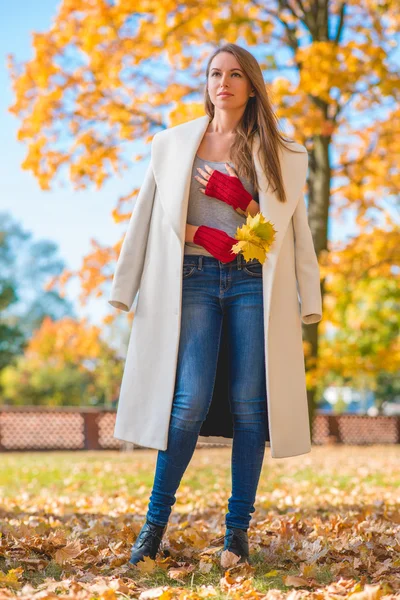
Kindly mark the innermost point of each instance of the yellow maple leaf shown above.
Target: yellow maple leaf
(255, 238)
(146, 565)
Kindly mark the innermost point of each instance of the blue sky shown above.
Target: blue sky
(68, 217)
(63, 215)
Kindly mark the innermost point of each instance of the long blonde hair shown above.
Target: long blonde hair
(258, 118)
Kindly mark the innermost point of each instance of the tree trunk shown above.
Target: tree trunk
(318, 210)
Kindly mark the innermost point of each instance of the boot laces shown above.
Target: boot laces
(149, 533)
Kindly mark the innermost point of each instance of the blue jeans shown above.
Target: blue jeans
(213, 291)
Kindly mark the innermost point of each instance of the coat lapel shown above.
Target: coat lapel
(173, 154)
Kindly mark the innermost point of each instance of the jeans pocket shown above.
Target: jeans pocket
(253, 268)
(188, 270)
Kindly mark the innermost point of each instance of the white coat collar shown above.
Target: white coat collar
(173, 154)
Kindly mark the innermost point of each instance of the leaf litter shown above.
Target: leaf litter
(326, 526)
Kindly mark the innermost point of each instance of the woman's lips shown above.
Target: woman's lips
(225, 94)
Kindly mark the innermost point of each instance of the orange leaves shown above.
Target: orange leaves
(293, 580)
(237, 581)
(92, 66)
(181, 572)
(71, 550)
(65, 341)
(90, 164)
(66, 362)
(116, 214)
(92, 274)
(109, 73)
(320, 528)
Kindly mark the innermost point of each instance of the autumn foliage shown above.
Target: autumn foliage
(106, 75)
(66, 362)
(326, 525)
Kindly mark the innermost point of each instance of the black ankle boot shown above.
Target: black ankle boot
(236, 541)
(147, 542)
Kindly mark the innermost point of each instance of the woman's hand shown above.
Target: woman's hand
(216, 242)
(227, 188)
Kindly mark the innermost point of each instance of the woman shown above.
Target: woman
(219, 292)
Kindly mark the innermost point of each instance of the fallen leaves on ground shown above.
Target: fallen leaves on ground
(326, 527)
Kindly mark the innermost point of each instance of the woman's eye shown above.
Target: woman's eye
(215, 73)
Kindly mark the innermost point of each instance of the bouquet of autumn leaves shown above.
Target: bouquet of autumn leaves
(256, 235)
(255, 238)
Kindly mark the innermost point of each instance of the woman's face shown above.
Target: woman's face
(226, 75)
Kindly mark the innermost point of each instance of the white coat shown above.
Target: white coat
(151, 262)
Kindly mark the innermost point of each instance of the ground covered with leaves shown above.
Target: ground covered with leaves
(327, 525)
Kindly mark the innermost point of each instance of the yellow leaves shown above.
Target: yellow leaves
(44, 67)
(96, 82)
(112, 87)
(281, 86)
(326, 65)
(294, 104)
(120, 115)
(90, 165)
(90, 40)
(361, 306)
(367, 256)
(65, 341)
(66, 362)
(193, 537)
(272, 573)
(147, 565)
(12, 578)
(117, 216)
(64, 32)
(370, 592)
(320, 69)
(185, 112)
(48, 496)
(255, 238)
(368, 170)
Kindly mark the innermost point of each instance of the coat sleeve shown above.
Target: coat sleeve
(307, 268)
(130, 262)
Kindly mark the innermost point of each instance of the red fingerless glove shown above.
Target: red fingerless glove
(217, 242)
(228, 189)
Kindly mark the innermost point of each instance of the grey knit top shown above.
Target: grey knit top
(205, 210)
